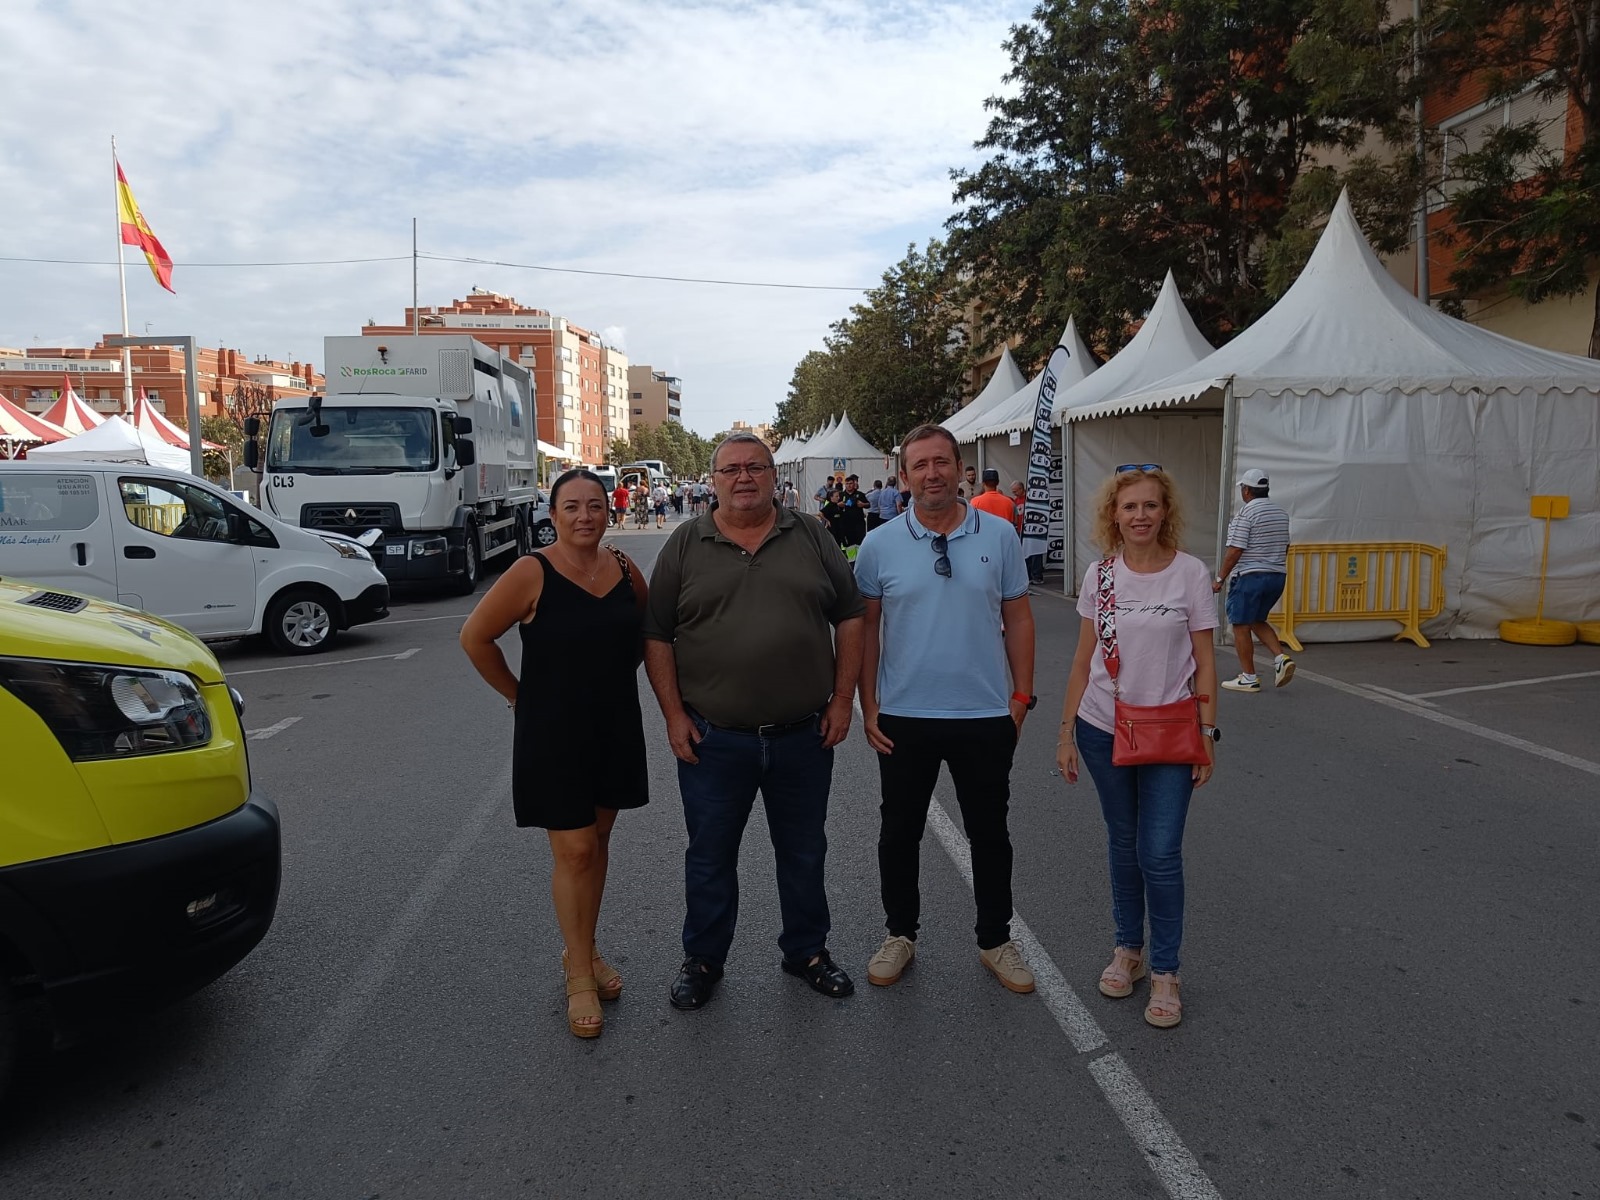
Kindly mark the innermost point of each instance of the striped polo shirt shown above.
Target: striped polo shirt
(1261, 530)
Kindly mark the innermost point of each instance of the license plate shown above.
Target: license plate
(394, 551)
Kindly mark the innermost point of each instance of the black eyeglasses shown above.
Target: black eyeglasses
(754, 470)
(1137, 467)
(941, 547)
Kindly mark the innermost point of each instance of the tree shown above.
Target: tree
(1526, 212)
(1139, 138)
(894, 362)
(226, 432)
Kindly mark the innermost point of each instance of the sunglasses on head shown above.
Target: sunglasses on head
(1137, 467)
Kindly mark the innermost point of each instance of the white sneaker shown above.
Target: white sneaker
(889, 963)
(1282, 669)
(1244, 683)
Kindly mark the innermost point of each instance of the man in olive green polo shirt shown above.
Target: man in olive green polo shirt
(753, 640)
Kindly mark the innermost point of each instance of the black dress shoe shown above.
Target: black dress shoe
(824, 975)
(696, 979)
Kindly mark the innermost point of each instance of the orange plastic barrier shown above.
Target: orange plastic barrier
(1362, 581)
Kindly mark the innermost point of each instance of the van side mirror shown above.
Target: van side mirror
(252, 427)
(252, 456)
(463, 426)
(466, 454)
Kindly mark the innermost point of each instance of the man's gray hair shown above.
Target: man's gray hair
(741, 439)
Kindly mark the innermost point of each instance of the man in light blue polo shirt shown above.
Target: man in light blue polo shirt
(947, 677)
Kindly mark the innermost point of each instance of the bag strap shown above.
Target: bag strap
(1106, 621)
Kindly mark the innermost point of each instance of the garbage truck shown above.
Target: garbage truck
(428, 440)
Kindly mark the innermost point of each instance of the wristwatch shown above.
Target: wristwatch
(1212, 732)
(1026, 701)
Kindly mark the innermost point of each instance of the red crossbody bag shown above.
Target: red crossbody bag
(1145, 733)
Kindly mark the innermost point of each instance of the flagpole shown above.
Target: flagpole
(122, 285)
(413, 277)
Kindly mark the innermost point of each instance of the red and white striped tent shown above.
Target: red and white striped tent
(145, 417)
(20, 429)
(71, 413)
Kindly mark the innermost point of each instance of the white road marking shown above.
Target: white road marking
(420, 620)
(1439, 718)
(358, 996)
(1406, 696)
(1510, 683)
(329, 662)
(1165, 1154)
(1164, 1151)
(261, 735)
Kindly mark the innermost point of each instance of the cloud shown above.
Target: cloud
(793, 142)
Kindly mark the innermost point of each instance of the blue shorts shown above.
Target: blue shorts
(1251, 597)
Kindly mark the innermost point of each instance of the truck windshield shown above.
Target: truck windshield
(358, 439)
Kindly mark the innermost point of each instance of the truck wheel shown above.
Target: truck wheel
(468, 582)
(544, 533)
(524, 536)
(299, 621)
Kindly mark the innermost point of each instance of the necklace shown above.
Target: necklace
(578, 567)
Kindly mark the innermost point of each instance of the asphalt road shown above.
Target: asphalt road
(1390, 960)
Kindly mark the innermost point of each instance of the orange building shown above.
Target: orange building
(32, 378)
(581, 383)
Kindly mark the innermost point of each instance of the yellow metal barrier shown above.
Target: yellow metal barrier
(1362, 581)
(157, 518)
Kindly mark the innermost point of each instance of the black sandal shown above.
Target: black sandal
(824, 975)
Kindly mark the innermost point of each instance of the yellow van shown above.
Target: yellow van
(136, 864)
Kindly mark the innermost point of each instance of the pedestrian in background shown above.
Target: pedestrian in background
(1257, 558)
(946, 677)
(991, 501)
(1019, 505)
(824, 492)
(832, 515)
(659, 496)
(873, 519)
(1161, 610)
(753, 645)
(854, 519)
(789, 496)
(620, 499)
(578, 610)
(889, 506)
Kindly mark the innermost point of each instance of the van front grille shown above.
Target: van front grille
(56, 602)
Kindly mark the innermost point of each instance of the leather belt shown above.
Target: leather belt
(774, 730)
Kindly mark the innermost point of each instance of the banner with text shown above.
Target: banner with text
(1036, 512)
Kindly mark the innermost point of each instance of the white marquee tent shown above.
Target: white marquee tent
(1002, 385)
(1381, 419)
(114, 440)
(837, 450)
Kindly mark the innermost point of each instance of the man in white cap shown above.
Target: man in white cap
(1257, 558)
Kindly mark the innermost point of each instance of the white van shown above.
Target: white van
(183, 549)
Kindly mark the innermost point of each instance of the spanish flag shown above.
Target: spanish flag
(135, 232)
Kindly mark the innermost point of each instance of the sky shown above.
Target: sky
(806, 142)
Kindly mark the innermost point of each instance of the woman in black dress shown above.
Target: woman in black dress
(578, 754)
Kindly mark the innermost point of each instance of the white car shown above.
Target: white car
(183, 549)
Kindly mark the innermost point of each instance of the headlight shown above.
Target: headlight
(99, 712)
(348, 549)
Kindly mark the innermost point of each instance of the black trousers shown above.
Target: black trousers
(978, 752)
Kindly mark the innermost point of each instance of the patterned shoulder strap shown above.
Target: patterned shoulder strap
(1105, 620)
(622, 561)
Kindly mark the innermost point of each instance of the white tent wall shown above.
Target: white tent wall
(1448, 470)
(1187, 444)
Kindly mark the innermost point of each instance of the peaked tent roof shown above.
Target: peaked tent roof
(841, 442)
(1016, 411)
(1002, 385)
(1347, 325)
(114, 440)
(71, 413)
(17, 424)
(145, 417)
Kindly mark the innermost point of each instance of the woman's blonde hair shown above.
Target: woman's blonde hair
(1106, 534)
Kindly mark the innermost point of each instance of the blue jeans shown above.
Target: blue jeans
(1145, 809)
(793, 774)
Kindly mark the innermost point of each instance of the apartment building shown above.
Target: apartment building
(762, 431)
(581, 383)
(33, 378)
(654, 397)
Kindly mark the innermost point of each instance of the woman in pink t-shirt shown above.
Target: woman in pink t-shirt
(1165, 612)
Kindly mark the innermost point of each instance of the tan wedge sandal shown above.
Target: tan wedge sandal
(584, 986)
(1164, 1009)
(605, 975)
(1127, 967)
